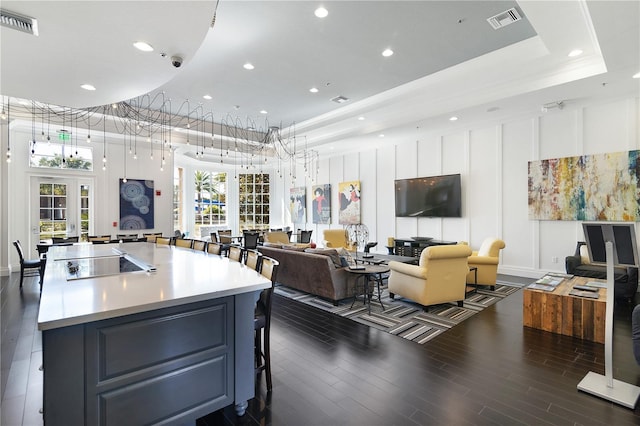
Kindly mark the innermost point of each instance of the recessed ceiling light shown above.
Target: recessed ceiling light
(361, 118)
(207, 97)
(141, 45)
(575, 52)
(248, 66)
(453, 118)
(88, 87)
(263, 111)
(381, 135)
(636, 75)
(321, 12)
(314, 90)
(387, 52)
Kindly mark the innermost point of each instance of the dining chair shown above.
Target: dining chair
(99, 239)
(252, 259)
(224, 236)
(27, 265)
(127, 236)
(199, 245)
(305, 236)
(214, 248)
(250, 240)
(181, 242)
(64, 240)
(262, 321)
(214, 237)
(163, 241)
(235, 253)
(151, 237)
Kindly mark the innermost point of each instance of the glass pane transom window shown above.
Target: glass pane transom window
(61, 156)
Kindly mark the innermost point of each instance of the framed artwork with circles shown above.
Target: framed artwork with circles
(136, 204)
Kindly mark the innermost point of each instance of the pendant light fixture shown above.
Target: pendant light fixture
(104, 140)
(8, 132)
(124, 156)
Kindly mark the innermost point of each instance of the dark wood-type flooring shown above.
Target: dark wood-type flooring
(332, 371)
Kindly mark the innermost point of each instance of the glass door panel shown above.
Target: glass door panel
(65, 208)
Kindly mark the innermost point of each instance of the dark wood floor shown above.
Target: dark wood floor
(332, 371)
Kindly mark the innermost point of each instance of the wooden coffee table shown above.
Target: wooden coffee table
(559, 312)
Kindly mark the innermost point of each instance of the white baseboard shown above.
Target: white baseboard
(4, 271)
(523, 272)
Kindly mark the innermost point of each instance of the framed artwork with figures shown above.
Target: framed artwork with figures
(298, 205)
(136, 204)
(349, 198)
(321, 203)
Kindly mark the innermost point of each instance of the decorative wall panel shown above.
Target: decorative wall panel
(588, 187)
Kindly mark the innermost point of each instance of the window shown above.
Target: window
(254, 201)
(210, 199)
(59, 156)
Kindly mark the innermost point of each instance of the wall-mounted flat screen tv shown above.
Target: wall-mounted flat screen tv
(432, 196)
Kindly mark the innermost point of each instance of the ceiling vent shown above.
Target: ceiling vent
(18, 22)
(505, 18)
(339, 99)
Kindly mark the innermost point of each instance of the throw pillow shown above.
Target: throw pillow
(332, 253)
(347, 255)
(292, 247)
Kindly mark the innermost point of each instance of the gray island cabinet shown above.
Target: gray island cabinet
(164, 344)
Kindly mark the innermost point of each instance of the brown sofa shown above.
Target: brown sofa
(318, 274)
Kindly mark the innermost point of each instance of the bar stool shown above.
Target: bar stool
(262, 321)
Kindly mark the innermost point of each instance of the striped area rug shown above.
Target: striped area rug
(403, 317)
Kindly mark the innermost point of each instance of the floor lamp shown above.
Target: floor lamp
(606, 386)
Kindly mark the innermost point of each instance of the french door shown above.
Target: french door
(62, 207)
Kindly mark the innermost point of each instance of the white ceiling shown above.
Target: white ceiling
(447, 61)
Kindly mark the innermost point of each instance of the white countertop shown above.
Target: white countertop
(182, 276)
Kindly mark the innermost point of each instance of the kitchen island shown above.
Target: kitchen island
(144, 334)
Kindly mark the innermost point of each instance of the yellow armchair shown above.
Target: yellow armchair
(276, 237)
(439, 277)
(336, 238)
(486, 259)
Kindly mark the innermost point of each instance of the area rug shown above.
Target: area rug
(403, 317)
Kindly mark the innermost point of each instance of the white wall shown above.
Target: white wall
(491, 158)
(106, 198)
(493, 161)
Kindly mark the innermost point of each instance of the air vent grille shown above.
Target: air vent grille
(505, 18)
(18, 22)
(339, 99)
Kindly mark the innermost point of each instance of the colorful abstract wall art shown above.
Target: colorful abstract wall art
(298, 204)
(588, 187)
(349, 197)
(136, 204)
(321, 203)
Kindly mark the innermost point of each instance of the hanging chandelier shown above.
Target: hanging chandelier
(167, 127)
